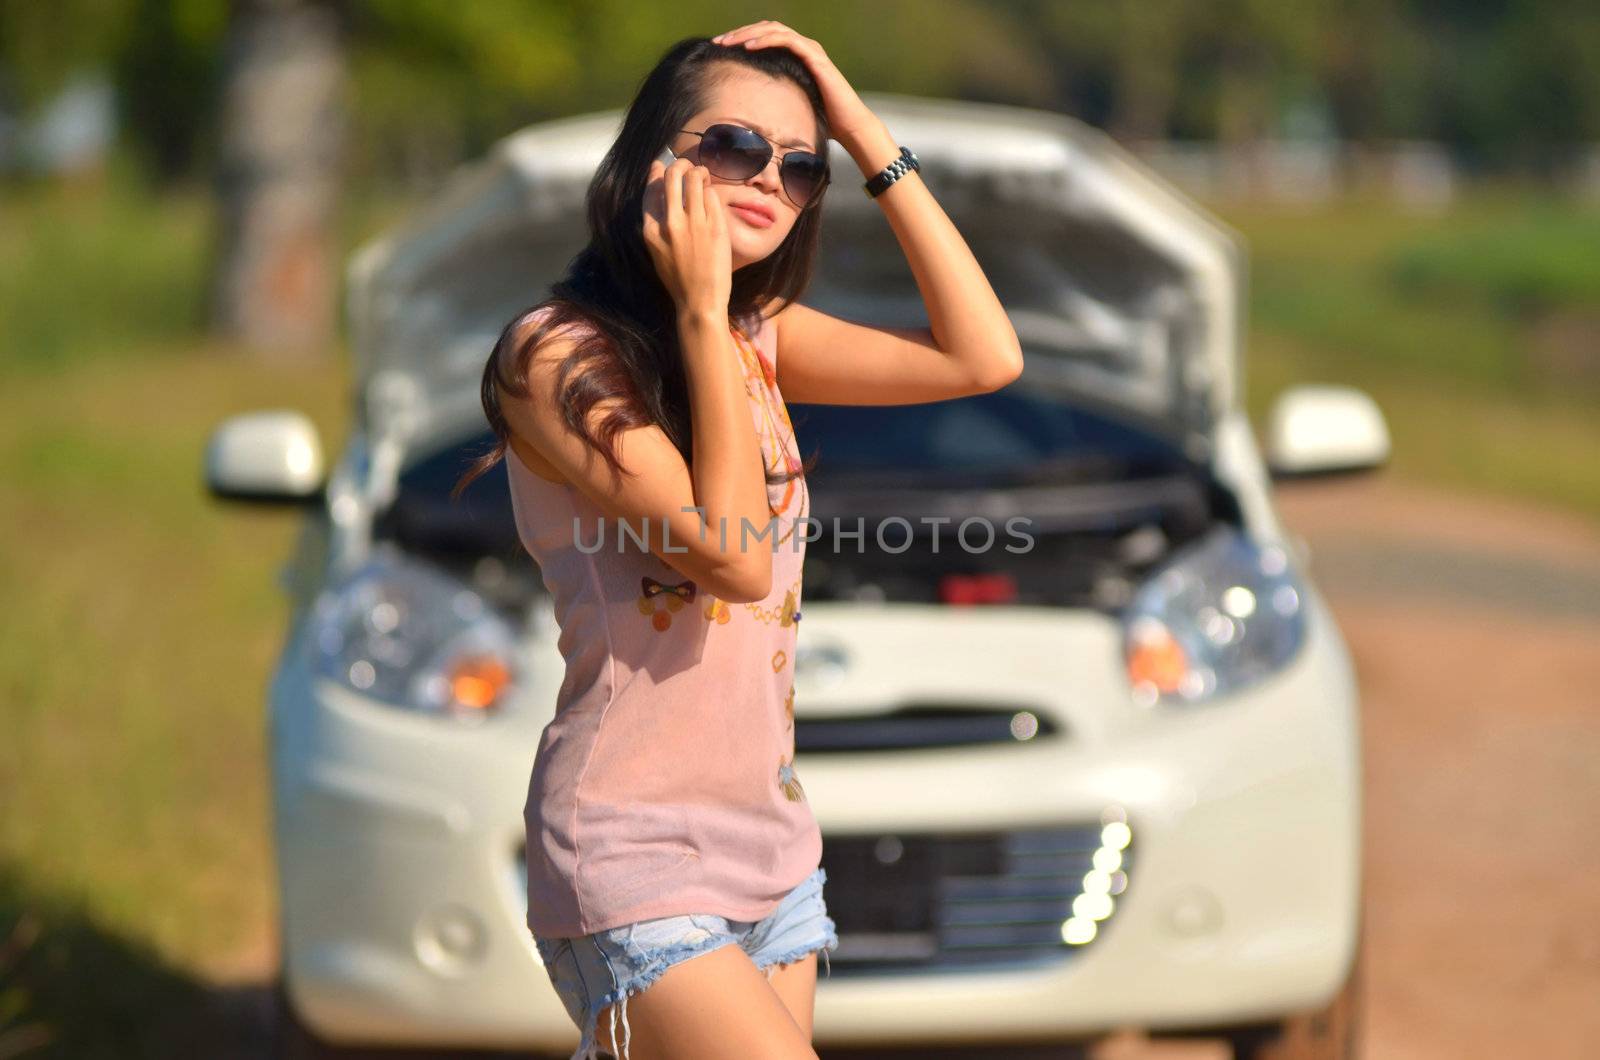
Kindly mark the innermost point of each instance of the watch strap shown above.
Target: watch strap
(905, 163)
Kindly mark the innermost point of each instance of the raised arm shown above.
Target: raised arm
(970, 346)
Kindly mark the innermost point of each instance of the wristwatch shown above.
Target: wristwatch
(891, 173)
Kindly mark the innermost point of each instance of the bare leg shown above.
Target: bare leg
(796, 984)
(713, 1006)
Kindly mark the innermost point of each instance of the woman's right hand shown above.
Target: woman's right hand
(686, 232)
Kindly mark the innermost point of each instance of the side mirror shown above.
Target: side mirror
(1322, 428)
(272, 456)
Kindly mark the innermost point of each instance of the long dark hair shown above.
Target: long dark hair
(629, 348)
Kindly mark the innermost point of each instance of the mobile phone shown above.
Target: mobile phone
(666, 157)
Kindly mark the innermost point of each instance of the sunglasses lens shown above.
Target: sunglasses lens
(734, 152)
(803, 176)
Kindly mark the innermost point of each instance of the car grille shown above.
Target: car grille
(930, 901)
(921, 726)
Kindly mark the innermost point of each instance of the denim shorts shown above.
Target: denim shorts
(592, 971)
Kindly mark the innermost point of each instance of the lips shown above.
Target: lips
(757, 213)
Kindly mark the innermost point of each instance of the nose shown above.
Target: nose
(769, 179)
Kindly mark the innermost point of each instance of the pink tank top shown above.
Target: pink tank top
(665, 783)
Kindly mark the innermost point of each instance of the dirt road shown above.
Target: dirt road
(1475, 630)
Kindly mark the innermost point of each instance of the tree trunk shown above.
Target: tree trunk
(276, 283)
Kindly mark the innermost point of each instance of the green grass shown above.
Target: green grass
(92, 270)
(143, 621)
(1476, 330)
(142, 618)
(1540, 256)
(104, 268)
(1540, 448)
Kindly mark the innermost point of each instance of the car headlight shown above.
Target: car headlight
(414, 638)
(1218, 616)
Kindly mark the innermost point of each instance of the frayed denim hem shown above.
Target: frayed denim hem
(831, 942)
(589, 1046)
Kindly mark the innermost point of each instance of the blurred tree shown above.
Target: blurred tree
(1368, 64)
(279, 99)
(43, 45)
(160, 54)
(168, 63)
(437, 83)
(1505, 83)
(1148, 69)
(1526, 83)
(278, 175)
(1261, 50)
(1145, 49)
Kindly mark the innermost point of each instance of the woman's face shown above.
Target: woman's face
(778, 110)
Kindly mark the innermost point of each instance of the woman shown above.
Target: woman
(673, 859)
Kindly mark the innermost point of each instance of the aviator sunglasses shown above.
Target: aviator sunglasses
(733, 152)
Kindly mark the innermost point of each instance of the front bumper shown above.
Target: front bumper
(400, 871)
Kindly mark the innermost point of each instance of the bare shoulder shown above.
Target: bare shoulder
(536, 418)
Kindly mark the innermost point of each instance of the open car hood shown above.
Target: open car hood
(1123, 292)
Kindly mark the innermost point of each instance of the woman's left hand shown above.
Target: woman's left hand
(847, 116)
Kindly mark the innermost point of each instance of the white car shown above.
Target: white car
(1104, 777)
